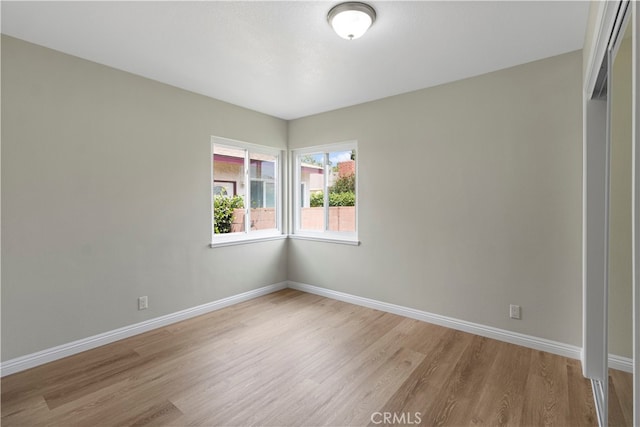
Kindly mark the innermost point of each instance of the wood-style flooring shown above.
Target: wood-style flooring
(620, 398)
(293, 359)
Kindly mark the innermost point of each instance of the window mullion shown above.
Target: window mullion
(326, 191)
(278, 195)
(299, 195)
(247, 191)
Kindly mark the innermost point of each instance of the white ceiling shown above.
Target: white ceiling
(282, 58)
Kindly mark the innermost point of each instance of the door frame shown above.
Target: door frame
(595, 205)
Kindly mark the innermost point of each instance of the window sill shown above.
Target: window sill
(243, 241)
(351, 242)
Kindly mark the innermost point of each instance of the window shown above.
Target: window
(245, 191)
(326, 192)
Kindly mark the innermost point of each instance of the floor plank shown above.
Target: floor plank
(291, 358)
(620, 398)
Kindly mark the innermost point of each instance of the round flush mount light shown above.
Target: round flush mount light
(352, 19)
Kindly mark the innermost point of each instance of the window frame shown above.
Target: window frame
(248, 235)
(345, 237)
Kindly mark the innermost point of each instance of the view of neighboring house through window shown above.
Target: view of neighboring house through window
(244, 189)
(326, 199)
(263, 181)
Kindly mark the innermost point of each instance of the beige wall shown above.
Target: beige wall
(105, 197)
(495, 166)
(105, 194)
(620, 254)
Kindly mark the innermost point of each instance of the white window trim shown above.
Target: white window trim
(249, 236)
(350, 238)
(247, 240)
(321, 237)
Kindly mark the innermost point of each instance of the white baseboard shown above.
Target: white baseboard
(49, 355)
(449, 322)
(621, 363)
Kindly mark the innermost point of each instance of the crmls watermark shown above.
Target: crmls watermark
(406, 418)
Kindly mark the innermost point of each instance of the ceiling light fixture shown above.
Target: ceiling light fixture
(352, 19)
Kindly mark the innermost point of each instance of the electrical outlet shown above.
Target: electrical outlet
(514, 311)
(143, 303)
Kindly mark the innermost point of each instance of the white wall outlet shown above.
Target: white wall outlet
(143, 303)
(514, 311)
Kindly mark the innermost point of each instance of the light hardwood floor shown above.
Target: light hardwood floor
(620, 398)
(292, 358)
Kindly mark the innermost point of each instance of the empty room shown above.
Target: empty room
(305, 213)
